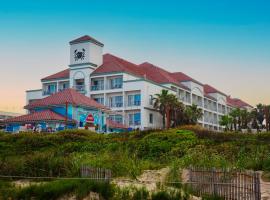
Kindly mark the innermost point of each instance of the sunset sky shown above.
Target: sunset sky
(224, 43)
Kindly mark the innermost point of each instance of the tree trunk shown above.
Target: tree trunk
(168, 117)
(163, 120)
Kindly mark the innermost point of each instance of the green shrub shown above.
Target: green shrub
(169, 195)
(55, 189)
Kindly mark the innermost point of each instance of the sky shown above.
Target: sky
(223, 43)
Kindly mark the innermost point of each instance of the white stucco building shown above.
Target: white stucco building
(129, 88)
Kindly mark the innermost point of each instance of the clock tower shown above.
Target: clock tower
(86, 54)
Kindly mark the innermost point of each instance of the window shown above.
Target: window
(116, 83)
(97, 84)
(51, 88)
(151, 118)
(116, 101)
(99, 100)
(116, 118)
(151, 99)
(134, 119)
(134, 100)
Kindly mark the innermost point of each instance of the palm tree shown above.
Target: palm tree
(226, 121)
(193, 114)
(178, 113)
(260, 114)
(267, 116)
(254, 118)
(245, 118)
(235, 114)
(165, 104)
(159, 104)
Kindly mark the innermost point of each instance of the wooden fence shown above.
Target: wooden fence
(97, 174)
(229, 184)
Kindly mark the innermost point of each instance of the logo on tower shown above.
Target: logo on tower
(79, 55)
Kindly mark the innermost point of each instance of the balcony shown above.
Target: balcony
(116, 86)
(47, 92)
(115, 83)
(61, 89)
(97, 87)
(116, 105)
(134, 103)
(79, 88)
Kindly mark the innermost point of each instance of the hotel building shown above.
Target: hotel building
(128, 89)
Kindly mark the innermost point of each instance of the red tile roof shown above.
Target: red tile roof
(146, 70)
(181, 77)
(69, 96)
(234, 102)
(46, 115)
(209, 97)
(113, 124)
(159, 75)
(209, 89)
(86, 38)
(60, 75)
(113, 63)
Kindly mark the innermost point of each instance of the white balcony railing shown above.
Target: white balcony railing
(79, 88)
(134, 103)
(47, 92)
(97, 87)
(115, 86)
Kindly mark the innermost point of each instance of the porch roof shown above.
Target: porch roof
(42, 116)
(69, 96)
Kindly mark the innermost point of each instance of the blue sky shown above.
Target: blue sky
(223, 43)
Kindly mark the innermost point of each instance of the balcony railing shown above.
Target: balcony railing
(61, 89)
(79, 88)
(97, 87)
(134, 103)
(116, 86)
(116, 105)
(134, 123)
(47, 92)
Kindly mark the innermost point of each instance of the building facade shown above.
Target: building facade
(128, 89)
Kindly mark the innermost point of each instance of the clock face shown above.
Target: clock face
(79, 55)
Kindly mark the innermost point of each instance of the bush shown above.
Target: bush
(55, 189)
(169, 195)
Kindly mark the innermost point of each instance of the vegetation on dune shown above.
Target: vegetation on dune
(127, 155)
(239, 119)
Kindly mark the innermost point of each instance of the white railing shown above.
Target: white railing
(97, 87)
(80, 88)
(47, 92)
